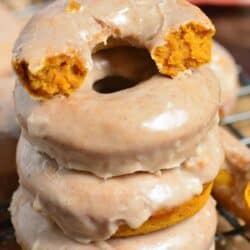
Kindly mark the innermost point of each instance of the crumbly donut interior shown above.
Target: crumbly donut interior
(168, 217)
(188, 47)
(60, 75)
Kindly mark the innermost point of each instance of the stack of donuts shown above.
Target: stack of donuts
(119, 109)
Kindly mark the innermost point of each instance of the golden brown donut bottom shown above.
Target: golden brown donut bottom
(192, 234)
(167, 218)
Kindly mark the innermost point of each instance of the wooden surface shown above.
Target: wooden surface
(233, 31)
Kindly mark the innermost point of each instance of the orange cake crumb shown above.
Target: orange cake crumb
(60, 75)
(188, 47)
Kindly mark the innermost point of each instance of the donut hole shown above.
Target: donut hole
(124, 67)
(111, 84)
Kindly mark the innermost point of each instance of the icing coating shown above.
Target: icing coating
(95, 207)
(225, 68)
(154, 125)
(34, 231)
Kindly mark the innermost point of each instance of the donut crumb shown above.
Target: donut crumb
(73, 5)
(60, 74)
(187, 48)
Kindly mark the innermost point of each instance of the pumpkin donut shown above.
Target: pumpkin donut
(232, 185)
(155, 124)
(54, 52)
(35, 231)
(88, 208)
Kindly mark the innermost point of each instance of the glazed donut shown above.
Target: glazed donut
(87, 151)
(149, 204)
(161, 123)
(53, 54)
(36, 231)
(225, 68)
(9, 29)
(232, 185)
(9, 133)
